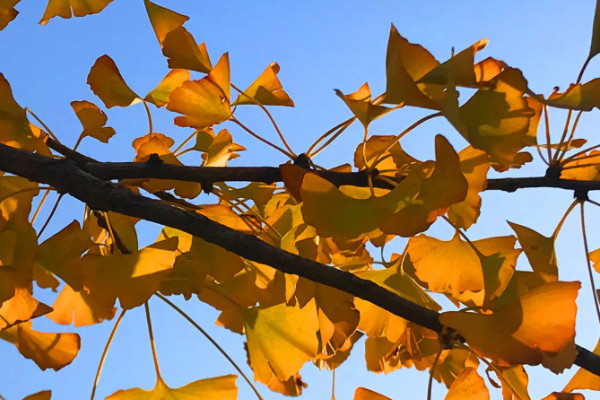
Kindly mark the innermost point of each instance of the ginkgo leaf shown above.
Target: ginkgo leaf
(20, 308)
(361, 105)
(447, 267)
(80, 308)
(580, 96)
(17, 194)
(219, 388)
(280, 339)
(61, 254)
(106, 82)
(163, 20)
(460, 67)
(468, 385)
(68, 8)
(7, 280)
(219, 151)
(378, 146)
(7, 12)
(543, 320)
(362, 393)
(474, 165)
(405, 64)
(174, 79)
(183, 52)
(204, 102)
(93, 120)
(495, 119)
(539, 249)
(43, 395)
(214, 260)
(584, 379)
(14, 126)
(595, 45)
(514, 382)
(47, 350)
(132, 278)
(564, 396)
(266, 90)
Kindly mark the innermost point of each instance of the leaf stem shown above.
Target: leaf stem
(105, 352)
(42, 123)
(54, 208)
(589, 263)
(39, 206)
(151, 335)
(547, 125)
(211, 340)
(563, 219)
(185, 141)
(255, 135)
(326, 134)
(149, 114)
(333, 384)
(564, 150)
(341, 130)
(435, 362)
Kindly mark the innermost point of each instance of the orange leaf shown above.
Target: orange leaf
(47, 350)
(581, 96)
(266, 90)
(468, 385)
(174, 79)
(564, 396)
(80, 308)
(362, 393)
(20, 308)
(204, 102)
(405, 64)
(44, 395)
(163, 20)
(183, 52)
(7, 12)
(108, 84)
(361, 105)
(67, 8)
(93, 120)
(539, 249)
(219, 388)
(543, 320)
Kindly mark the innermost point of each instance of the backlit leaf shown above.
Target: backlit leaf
(468, 385)
(107, 83)
(204, 102)
(542, 320)
(361, 105)
(47, 350)
(514, 382)
(174, 79)
(405, 64)
(539, 249)
(219, 388)
(266, 89)
(280, 339)
(163, 20)
(67, 8)
(93, 120)
(580, 96)
(132, 278)
(362, 393)
(595, 46)
(80, 308)
(20, 308)
(7, 12)
(183, 52)
(564, 396)
(14, 126)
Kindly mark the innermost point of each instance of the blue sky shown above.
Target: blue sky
(320, 46)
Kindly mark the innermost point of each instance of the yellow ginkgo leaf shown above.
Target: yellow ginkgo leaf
(20, 308)
(564, 396)
(47, 350)
(514, 382)
(132, 278)
(107, 83)
(541, 321)
(93, 120)
(405, 64)
(163, 20)
(80, 308)
(204, 102)
(68, 8)
(280, 339)
(43, 395)
(361, 105)
(362, 393)
(183, 52)
(468, 385)
(266, 90)
(580, 96)
(174, 79)
(539, 249)
(219, 388)
(17, 194)
(7, 12)
(14, 126)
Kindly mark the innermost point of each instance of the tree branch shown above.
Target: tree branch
(68, 177)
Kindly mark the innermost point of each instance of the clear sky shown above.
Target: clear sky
(320, 46)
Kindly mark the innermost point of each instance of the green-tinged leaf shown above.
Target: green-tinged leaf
(108, 84)
(580, 96)
(361, 105)
(174, 79)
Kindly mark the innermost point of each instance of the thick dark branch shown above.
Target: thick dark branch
(68, 177)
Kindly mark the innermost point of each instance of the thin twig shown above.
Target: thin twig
(154, 356)
(589, 263)
(105, 352)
